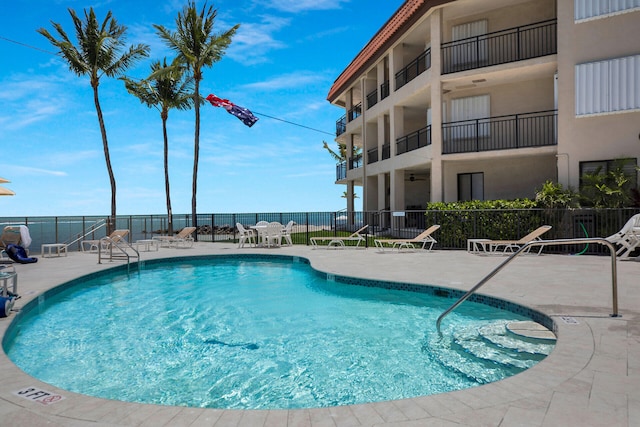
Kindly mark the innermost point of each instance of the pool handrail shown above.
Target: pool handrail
(525, 247)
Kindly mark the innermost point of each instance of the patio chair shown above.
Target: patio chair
(272, 235)
(115, 237)
(183, 239)
(15, 235)
(286, 233)
(338, 241)
(245, 236)
(489, 246)
(628, 238)
(421, 239)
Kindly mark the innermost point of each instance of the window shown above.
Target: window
(608, 86)
(585, 9)
(470, 186)
(603, 167)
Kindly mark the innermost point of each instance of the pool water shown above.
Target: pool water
(233, 333)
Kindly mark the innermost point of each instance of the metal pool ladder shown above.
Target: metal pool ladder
(526, 247)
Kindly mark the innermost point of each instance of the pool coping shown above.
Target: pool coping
(582, 380)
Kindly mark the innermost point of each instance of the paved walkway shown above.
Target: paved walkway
(592, 378)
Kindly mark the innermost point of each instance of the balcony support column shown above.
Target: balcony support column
(437, 113)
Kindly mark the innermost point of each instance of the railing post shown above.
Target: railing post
(517, 132)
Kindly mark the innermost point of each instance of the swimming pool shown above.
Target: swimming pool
(249, 332)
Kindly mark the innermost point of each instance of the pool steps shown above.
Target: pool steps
(480, 351)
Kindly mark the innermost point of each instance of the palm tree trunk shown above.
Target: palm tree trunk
(166, 174)
(107, 158)
(196, 152)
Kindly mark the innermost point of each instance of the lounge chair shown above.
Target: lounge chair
(421, 239)
(489, 246)
(115, 237)
(246, 236)
(15, 235)
(628, 238)
(338, 241)
(182, 239)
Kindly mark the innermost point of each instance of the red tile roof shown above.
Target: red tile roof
(403, 18)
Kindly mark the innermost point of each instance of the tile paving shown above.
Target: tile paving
(590, 379)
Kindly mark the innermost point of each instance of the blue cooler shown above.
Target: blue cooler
(6, 304)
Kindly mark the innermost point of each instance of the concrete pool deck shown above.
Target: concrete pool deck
(592, 378)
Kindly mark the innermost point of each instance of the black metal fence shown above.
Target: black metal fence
(456, 225)
(416, 67)
(500, 47)
(536, 129)
(414, 140)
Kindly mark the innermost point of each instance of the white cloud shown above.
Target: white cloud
(253, 41)
(297, 6)
(287, 81)
(27, 170)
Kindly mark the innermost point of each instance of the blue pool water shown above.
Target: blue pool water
(223, 332)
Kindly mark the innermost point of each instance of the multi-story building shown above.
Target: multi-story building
(488, 99)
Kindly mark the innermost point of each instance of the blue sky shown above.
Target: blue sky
(281, 63)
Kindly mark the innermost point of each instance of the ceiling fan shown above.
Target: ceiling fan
(412, 178)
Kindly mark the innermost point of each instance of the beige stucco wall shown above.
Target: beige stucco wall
(506, 178)
(601, 137)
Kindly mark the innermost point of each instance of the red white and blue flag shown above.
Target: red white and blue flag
(241, 113)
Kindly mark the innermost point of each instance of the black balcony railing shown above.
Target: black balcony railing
(386, 151)
(372, 155)
(384, 90)
(500, 47)
(372, 98)
(341, 171)
(500, 133)
(341, 125)
(355, 162)
(355, 112)
(416, 67)
(414, 140)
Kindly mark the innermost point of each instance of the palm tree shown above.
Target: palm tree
(341, 155)
(167, 87)
(197, 46)
(98, 53)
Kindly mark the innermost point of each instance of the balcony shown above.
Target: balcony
(355, 112)
(537, 129)
(413, 141)
(500, 47)
(386, 151)
(384, 90)
(355, 162)
(416, 67)
(372, 155)
(341, 171)
(372, 98)
(341, 125)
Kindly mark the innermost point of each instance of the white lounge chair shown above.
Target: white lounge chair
(421, 239)
(489, 246)
(338, 241)
(246, 236)
(628, 238)
(113, 238)
(183, 239)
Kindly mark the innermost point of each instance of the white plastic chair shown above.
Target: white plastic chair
(273, 234)
(628, 237)
(286, 233)
(245, 236)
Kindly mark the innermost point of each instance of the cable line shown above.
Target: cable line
(261, 114)
(292, 123)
